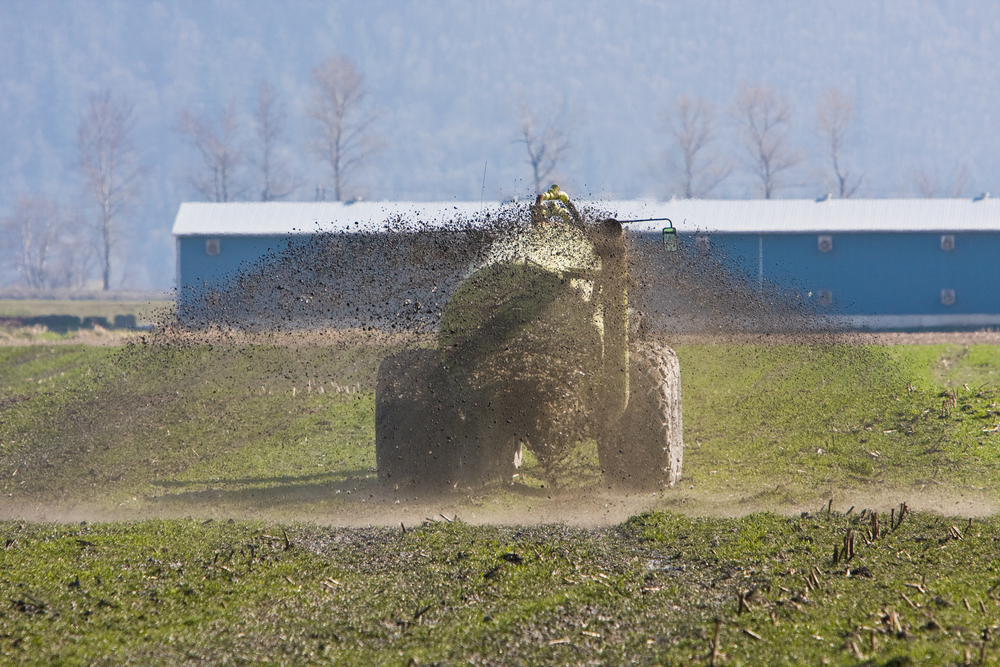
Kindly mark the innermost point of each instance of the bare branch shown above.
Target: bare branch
(834, 115)
(959, 181)
(275, 180)
(221, 154)
(546, 144)
(928, 183)
(110, 166)
(698, 170)
(925, 183)
(343, 119)
(763, 120)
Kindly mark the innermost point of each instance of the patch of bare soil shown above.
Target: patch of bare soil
(374, 338)
(312, 337)
(984, 336)
(39, 335)
(584, 508)
(591, 508)
(180, 336)
(305, 337)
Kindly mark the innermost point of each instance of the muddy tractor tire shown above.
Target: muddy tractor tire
(415, 444)
(430, 434)
(644, 450)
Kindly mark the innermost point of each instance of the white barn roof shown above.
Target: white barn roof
(756, 216)
(275, 218)
(688, 215)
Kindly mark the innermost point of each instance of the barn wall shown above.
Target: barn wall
(873, 280)
(877, 273)
(199, 272)
(887, 274)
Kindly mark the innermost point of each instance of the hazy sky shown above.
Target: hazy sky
(449, 76)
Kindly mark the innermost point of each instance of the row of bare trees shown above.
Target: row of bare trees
(50, 246)
(53, 247)
(762, 122)
(233, 166)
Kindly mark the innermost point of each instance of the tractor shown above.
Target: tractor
(533, 351)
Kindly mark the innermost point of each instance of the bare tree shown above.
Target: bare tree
(763, 120)
(925, 183)
(834, 115)
(275, 180)
(546, 143)
(74, 255)
(33, 231)
(110, 166)
(698, 169)
(222, 154)
(928, 183)
(959, 181)
(344, 118)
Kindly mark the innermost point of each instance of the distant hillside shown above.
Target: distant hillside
(449, 76)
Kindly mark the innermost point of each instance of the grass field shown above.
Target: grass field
(287, 432)
(270, 435)
(661, 588)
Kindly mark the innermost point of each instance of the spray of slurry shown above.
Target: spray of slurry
(398, 279)
(544, 346)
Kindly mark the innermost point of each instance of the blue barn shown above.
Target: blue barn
(881, 264)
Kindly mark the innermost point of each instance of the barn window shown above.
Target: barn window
(825, 297)
(948, 297)
(947, 242)
(703, 243)
(213, 247)
(825, 243)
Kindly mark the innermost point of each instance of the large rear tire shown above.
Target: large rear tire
(644, 450)
(484, 445)
(415, 440)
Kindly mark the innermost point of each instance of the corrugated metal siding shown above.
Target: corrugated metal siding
(697, 215)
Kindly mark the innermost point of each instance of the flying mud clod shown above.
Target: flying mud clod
(533, 351)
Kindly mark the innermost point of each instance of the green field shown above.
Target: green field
(649, 591)
(159, 439)
(286, 432)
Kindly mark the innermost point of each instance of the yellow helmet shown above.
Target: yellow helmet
(555, 194)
